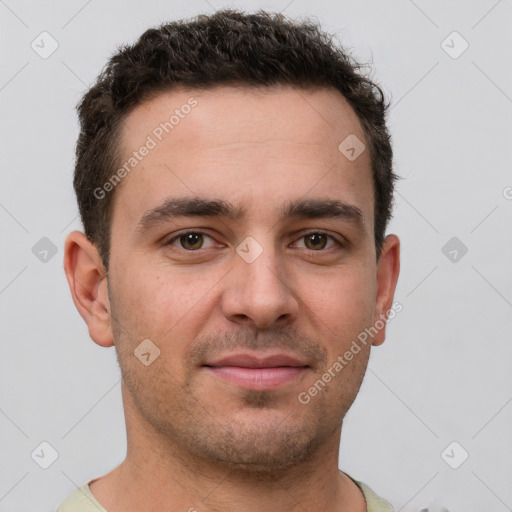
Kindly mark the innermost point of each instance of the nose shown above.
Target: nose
(259, 294)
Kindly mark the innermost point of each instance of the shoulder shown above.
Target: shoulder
(373, 502)
(81, 500)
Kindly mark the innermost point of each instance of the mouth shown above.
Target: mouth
(258, 373)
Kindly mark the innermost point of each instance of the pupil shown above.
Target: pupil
(192, 239)
(315, 238)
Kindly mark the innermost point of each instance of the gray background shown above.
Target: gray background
(444, 373)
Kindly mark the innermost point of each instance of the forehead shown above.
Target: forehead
(238, 114)
(251, 146)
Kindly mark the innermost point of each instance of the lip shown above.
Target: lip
(246, 360)
(258, 373)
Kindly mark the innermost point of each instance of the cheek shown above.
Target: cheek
(345, 307)
(166, 306)
(343, 300)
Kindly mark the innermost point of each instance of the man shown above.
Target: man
(234, 180)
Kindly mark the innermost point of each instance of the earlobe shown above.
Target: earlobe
(388, 269)
(88, 285)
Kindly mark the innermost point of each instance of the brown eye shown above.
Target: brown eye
(191, 241)
(318, 241)
(315, 241)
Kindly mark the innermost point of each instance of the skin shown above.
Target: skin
(195, 440)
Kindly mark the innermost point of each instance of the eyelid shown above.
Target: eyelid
(339, 243)
(299, 235)
(177, 236)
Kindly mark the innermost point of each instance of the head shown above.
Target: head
(223, 214)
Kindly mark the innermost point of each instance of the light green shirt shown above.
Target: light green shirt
(82, 500)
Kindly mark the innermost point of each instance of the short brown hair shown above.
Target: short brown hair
(227, 47)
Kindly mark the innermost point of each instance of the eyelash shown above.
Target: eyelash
(199, 232)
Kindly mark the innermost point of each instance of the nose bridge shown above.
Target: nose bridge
(263, 269)
(258, 290)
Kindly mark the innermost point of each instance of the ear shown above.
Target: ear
(388, 268)
(87, 281)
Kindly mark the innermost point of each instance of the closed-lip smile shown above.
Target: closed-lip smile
(258, 372)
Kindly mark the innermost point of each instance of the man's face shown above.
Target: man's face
(301, 285)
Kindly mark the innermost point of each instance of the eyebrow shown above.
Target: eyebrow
(176, 207)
